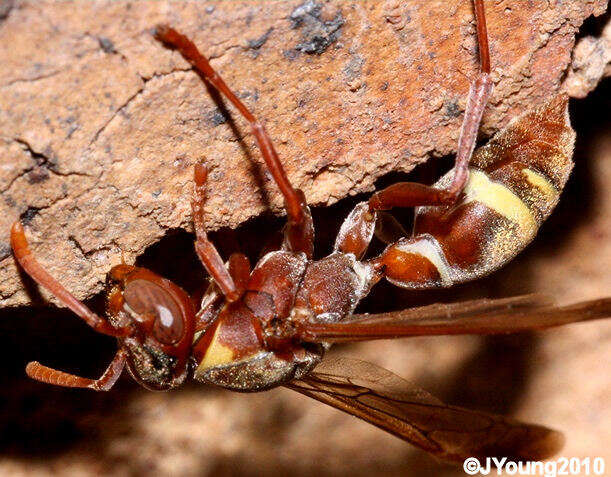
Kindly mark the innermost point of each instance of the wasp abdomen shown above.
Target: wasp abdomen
(514, 183)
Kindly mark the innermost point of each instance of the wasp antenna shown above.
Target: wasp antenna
(26, 259)
(43, 373)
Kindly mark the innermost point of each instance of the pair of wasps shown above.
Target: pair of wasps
(267, 326)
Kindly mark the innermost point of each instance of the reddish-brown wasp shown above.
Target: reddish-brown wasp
(268, 326)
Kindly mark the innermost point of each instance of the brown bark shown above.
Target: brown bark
(101, 125)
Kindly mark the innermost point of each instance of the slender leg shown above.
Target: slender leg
(42, 373)
(411, 194)
(24, 256)
(356, 231)
(299, 233)
(239, 269)
(206, 251)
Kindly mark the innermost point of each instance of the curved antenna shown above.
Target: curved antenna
(24, 256)
(44, 374)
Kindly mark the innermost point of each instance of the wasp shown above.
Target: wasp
(270, 325)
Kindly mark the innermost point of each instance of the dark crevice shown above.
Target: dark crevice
(75, 243)
(41, 159)
(6, 6)
(33, 78)
(28, 215)
(594, 26)
(44, 164)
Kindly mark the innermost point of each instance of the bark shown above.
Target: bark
(101, 125)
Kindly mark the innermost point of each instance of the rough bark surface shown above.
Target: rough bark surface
(591, 62)
(100, 125)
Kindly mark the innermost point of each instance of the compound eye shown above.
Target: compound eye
(151, 301)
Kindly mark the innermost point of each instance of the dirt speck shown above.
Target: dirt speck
(259, 42)
(106, 44)
(317, 32)
(29, 215)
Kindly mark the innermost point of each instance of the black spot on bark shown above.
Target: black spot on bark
(37, 175)
(106, 44)
(317, 33)
(29, 215)
(71, 130)
(5, 250)
(451, 109)
(5, 8)
(259, 42)
(8, 200)
(218, 117)
(290, 54)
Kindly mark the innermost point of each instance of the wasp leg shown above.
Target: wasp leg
(239, 269)
(42, 373)
(206, 251)
(356, 231)
(299, 235)
(411, 194)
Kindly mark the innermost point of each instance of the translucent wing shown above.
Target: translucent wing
(479, 317)
(451, 433)
(388, 229)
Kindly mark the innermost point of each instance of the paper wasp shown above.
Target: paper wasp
(268, 326)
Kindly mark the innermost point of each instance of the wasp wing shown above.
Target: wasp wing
(388, 229)
(393, 404)
(478, 317)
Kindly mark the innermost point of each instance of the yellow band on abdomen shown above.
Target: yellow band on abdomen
(501, 199)
(540, 182)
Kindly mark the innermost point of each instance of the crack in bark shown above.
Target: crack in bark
(76, 244)
(40, 161)
(125, 105)
(145, 81)
(33, 79)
